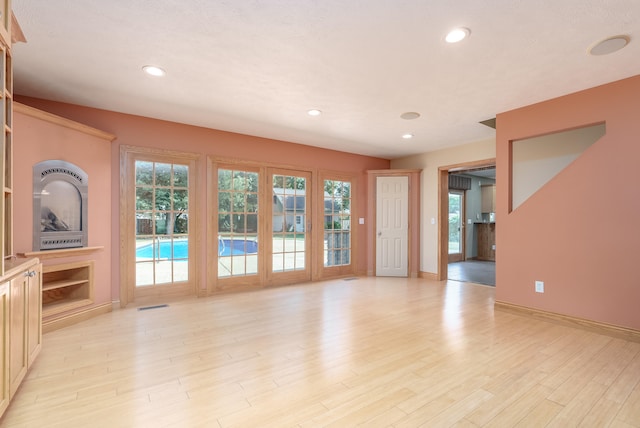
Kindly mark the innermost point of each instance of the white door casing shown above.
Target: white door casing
(392, 226)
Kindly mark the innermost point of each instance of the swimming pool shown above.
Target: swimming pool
(235, 247)
(226, 247)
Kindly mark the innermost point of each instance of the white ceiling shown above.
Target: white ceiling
(256, 66)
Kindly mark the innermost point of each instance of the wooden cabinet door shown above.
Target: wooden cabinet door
(488, 198)
(17, 331)
(4, 342)
(34, 313)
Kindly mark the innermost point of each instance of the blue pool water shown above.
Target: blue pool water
(226, 247)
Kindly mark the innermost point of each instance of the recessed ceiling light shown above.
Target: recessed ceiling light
(314, 112)
(457, 34)
(609, 45)
(407, 136)
(152, 70)
(410, 115)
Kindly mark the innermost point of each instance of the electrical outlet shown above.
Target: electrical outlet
(539, 287)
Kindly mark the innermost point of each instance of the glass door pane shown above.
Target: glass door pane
(337, 223)
(290, 210)
(162, 223)
(237, 223)
(456, 226)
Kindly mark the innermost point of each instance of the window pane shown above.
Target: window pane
(144, 224)
(239, 181)
(163, 174)
(224, 202)
(180, 270)
(180, 176)
(163, 199)
(224, 223)
(144, 274)
(238, 202)
(144, 198)
(224, 179)
(277, 262)
(252, 202)
(160, 222)
(252, 264)
(180, 200)
(181, 223)
(252, 184)
(240, 224)
(164, 271)
(252, 223)
(238, 267)
(144, 173)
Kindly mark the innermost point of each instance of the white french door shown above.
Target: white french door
(392, 226)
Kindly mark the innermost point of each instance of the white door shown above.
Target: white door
(392, 226)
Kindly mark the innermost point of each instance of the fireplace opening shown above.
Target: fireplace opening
(60, 192)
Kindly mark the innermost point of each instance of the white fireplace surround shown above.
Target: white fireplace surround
(60, 191)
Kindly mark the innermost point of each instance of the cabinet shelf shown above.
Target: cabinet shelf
(65, 287)
(52, 285)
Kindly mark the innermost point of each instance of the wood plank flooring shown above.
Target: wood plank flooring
(374, 352)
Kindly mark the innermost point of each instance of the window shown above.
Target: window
(337, 223)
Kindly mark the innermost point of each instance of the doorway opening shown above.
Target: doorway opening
(467, 222)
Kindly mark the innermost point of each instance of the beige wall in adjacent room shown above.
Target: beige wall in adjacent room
(430, 163)
(536, 160)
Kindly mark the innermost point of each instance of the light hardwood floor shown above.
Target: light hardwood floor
(375, 352)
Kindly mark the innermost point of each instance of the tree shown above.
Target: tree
(237, 201)
(161, 191)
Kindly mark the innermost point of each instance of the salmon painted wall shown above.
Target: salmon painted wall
(36, 140)
(579, 233)
(145, 132)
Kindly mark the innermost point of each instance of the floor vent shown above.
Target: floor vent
(145, 308)
(350, 279)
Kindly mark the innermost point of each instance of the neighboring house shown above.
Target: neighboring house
(289, 211)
